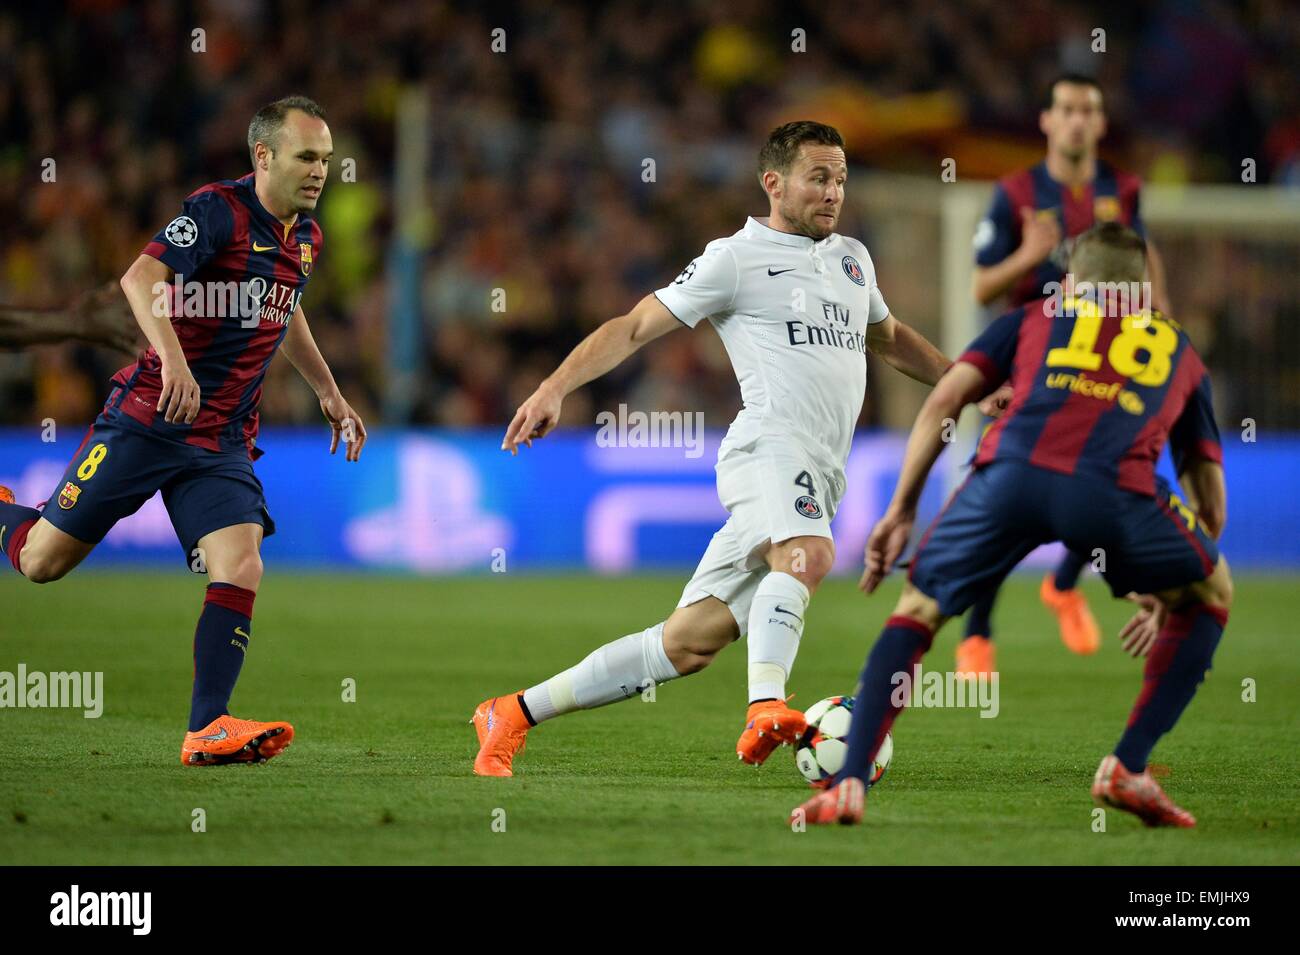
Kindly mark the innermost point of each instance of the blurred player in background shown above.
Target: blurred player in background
(1022, 246)
(184, 418)
(797, 307)
(98, 317)
(1098, 391)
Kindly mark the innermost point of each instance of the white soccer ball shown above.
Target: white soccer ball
(820, 752)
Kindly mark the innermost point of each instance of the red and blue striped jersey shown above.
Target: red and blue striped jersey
(239, 276)
(1096, 392)
(1112, 196)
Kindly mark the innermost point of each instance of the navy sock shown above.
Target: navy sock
(15, 522)
(1174, 669)
(979, 622)
(1068, 571)
(901, 645)
(220, 642)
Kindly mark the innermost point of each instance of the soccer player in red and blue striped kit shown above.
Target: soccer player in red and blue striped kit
(217, 292)
(1021, 247)
(1097, 391)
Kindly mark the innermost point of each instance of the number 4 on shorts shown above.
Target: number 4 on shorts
(804, 480)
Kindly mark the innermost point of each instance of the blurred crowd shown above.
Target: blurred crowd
(540, 198)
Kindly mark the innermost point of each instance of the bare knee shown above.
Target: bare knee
(244, 571)
(1215, 590)
(43, 564)
(694, 635)
(43, 567)
(807, 559)
(50, 554)
(916, 605)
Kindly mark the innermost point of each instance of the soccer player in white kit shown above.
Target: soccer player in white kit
(797, 307)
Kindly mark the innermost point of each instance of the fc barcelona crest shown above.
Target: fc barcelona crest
(305, 254)
(68, 496)
(1105, 209)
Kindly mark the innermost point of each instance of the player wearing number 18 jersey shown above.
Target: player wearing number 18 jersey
(797, 307)
(217, 292)
(1021, 247)
(1096, 394)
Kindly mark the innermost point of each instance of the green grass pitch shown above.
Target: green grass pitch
(386, 779)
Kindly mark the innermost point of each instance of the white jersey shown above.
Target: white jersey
(793, 315)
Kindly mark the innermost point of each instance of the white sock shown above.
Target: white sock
(616, 671)
(775, 626)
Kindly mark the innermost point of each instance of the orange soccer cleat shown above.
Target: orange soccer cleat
(843, 803)
(502, 731)
(228, 740)
(768, 724)
(1079, 630)
(975, 656)
(1139, 794)
(6, 495)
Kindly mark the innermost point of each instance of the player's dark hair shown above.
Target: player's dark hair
(783, 144)
(1074, 79)
(1109, 252)
(266, 124)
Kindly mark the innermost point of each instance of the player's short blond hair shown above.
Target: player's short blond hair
(1108, 252)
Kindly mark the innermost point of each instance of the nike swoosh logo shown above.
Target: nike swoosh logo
(779, 271)
(215, 737)
(780, 609)
(262, 248)
(3, 528)
(239, 632)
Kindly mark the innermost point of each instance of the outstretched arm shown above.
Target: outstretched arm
(959, 387)
(300, 348)
(604, 349)
(907, 350)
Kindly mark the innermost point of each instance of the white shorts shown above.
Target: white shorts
(773, 492)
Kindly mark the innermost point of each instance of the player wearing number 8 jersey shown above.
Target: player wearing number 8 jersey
(1096, 394)
(797, 307)
(217, 293)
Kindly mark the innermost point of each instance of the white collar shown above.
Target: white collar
(759, 229)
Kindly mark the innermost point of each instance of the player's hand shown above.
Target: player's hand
(105, 318)
(1039, 235)
(885, 546)
(536, 418)
(1140, 633)
(345, 423)
(996, 403)
(180, 398)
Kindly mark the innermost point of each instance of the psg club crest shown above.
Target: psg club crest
(853, 271)
(304, 249)
(808, 506)
(68, 496)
